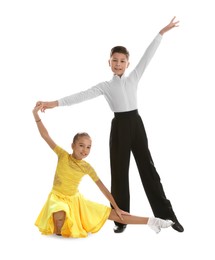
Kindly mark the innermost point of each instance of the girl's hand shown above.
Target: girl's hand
(121, 212)
(37, 108)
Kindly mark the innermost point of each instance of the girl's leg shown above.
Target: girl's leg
(59, 218)
(127, 219)
(154, 223)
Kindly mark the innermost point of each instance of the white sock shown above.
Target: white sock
(157, 223)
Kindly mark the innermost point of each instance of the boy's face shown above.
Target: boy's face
(81, 148)
(118, 63)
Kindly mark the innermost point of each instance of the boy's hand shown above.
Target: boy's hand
(171, 25)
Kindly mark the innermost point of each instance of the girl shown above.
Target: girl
(66, 212)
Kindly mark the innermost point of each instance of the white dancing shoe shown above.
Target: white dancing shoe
(157, 223)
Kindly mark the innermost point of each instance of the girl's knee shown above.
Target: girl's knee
(59, 218)
(60, 215)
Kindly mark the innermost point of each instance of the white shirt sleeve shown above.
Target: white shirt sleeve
(81, 96)
(147, 56)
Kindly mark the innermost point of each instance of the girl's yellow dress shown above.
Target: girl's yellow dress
(82, 216)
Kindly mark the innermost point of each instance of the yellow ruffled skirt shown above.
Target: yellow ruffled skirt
(82, 216)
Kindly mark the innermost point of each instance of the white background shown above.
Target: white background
(50, 49)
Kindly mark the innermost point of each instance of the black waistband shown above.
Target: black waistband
(126, 114)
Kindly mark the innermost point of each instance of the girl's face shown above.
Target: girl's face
(118, 63)
(81, 148)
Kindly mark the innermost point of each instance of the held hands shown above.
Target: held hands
(46, 105)
(171, 25)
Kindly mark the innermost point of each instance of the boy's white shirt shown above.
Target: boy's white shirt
(120, 92)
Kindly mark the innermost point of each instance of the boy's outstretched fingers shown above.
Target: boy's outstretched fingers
(175, 24)
(43, 109)
(171, 25)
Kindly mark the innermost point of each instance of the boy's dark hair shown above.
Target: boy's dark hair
(78, 135)
(119, 49)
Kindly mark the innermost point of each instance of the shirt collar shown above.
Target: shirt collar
(116, 76)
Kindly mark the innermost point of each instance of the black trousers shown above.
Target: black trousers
(128, 135)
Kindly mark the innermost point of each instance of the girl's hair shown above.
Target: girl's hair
(119, 49)
(78, 135)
